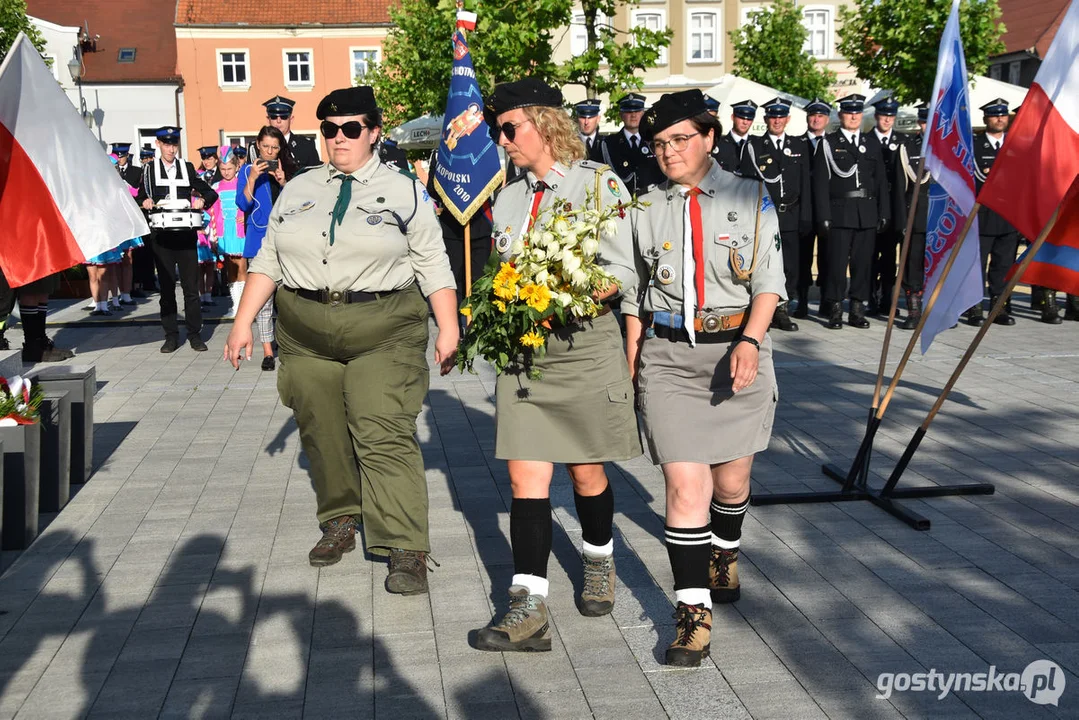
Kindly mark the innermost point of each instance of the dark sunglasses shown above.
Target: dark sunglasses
(278, 116)
(352, 129)
(508, 129)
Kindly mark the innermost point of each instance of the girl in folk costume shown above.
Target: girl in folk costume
(206, 262)
(227, 225)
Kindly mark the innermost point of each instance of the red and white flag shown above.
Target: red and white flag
(1040, 156)
(61, 201)
(466, 20)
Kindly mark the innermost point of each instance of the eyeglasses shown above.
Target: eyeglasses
(508, 129)
(677, 143)
(278, 116)
(352, 129)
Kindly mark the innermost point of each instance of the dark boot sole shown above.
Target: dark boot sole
(323, 562)
(415, 590)
(595, 608)
(490, 641)
(680, 657)
(724, 596)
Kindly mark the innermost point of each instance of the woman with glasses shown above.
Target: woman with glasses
(711, 274)
(261, 182)
(355, 247)
(581, 412)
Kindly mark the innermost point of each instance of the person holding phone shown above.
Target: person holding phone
(262, 180)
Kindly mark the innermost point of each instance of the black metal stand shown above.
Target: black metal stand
(856, 486)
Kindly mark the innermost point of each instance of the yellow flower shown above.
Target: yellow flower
(500, 305)
(538, 297)
(532, 339)
(466, 311)
(505, 282)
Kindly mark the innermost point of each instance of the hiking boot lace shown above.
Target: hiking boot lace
(412, 561)
(334, 531)
(721, 563)
(520, 607)
(689, 618)
(597, 581)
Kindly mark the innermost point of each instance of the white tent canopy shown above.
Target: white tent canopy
(422, 133)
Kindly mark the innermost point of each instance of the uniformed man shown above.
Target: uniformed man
(143, 272)
(279, 115)
(146, 155)
(882, 281)
(712, 105)
(209, 171)
(587, 114)
(999, 240)
(818, 113)
(393, 156)
(732, 145)
(851, 202)
(783, 163)
(128, 172)
(173, 178)
(627, 153)
(904, 187)
(241, 154)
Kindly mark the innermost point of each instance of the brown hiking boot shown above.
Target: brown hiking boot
(723, 575)
(693, 636)
(408, 572)
(524, 628)
(338, 538)
(597, 596)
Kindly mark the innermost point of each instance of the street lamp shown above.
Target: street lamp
(74, 67)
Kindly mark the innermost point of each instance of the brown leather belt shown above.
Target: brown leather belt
(708, 328)
(339, 297)
(712, 323)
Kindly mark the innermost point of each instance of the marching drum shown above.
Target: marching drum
(175, 215)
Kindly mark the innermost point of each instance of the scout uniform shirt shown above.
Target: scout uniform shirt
(513, 206)
(388, 239)
(729, 216)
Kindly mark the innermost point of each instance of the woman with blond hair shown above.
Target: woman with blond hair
(581, 412)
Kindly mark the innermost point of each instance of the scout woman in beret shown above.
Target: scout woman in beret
(710, 276)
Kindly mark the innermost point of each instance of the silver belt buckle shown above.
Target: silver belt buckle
(710, 323)
(335, 297)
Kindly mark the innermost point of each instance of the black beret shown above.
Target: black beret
(358, 100)
(673, 108)
(528, 92)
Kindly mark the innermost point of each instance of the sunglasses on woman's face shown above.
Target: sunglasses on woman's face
(508, 129)
(352, 129)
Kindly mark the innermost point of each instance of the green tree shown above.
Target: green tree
(894, 44)
(510, 41)
(13, 20)
(768, 50)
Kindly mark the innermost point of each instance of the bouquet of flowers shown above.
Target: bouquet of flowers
(19, 401)
(553, 278)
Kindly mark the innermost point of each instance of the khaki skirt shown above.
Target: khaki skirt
(580, 411)
(691, 413)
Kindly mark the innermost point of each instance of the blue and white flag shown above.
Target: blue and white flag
(468, 168)
(948, 149)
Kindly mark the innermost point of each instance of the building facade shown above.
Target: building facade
(1030, 26)
(235, 56)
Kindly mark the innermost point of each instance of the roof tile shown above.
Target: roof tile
(290, 13)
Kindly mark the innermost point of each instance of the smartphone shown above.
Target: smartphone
(271, 165)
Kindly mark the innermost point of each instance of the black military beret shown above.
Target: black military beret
(673, 108)
(527, 92)
(358, 100)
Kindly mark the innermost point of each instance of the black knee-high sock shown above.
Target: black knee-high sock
(690, 550)
(596, 513)
(530, 535)
(33, 322)
(727, 523)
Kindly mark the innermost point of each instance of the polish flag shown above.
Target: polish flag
(61, 201)
(466, 20)
(1040, 156)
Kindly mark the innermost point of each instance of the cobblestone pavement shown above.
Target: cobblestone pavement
(176, 582)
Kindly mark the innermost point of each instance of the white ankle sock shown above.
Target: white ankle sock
(536, 585)
(102, 305)
(694, 596)
(598, 550)
(126, 297)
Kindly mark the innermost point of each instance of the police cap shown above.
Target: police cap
(923, 112)
(587, 108)
(631, 102)
(279, 106)
(146, 152)
(746, 109)
(887, 107)
(995, 108)
(711, 103)
(817, 106)
(121, 149)
(852, 103)
(777, 108)
(168, 134)
(208, 151)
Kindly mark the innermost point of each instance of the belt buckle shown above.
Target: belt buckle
(335, 297)
(711, 322)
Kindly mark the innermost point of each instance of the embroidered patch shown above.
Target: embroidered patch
(767, 204)
(374, 219)
(667, 245)
(892, 147)
(665, 274)
(612, 185)
(779, 242)
(502, 242)
(861, 148)
(787, 151)
(732, 216)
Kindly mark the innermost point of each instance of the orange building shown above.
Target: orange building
(234, 56)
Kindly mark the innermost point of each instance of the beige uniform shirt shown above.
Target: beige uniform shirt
(370, 252)
(728, 216)
(512, 210)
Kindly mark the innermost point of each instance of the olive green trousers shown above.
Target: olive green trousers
(355, 377)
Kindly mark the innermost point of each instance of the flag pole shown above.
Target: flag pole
(912, 446)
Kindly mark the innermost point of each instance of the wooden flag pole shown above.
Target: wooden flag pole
(912, 446)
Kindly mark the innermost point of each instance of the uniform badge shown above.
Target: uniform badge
(667, 245)
(779, 242)
(612, 185)
(307, 205)
(380, 200)
(625, 163)
(892, 147)
(502, 242)
(374, 219)
(763, 167)
(732, 216)
(644, 149)
(861, 148)
(787, 151)
(769, 161)
(665, 274)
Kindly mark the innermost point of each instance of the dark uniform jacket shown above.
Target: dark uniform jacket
(858, 201)
(989, 223)
(812, 163)
(637, 169)
(395, 157)
(904, 185)
(787, 174)
(211, 176)
(149, 188)
(594, 153)
(890, 152)
(131, 174)
(727, 153)
(303, 151)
